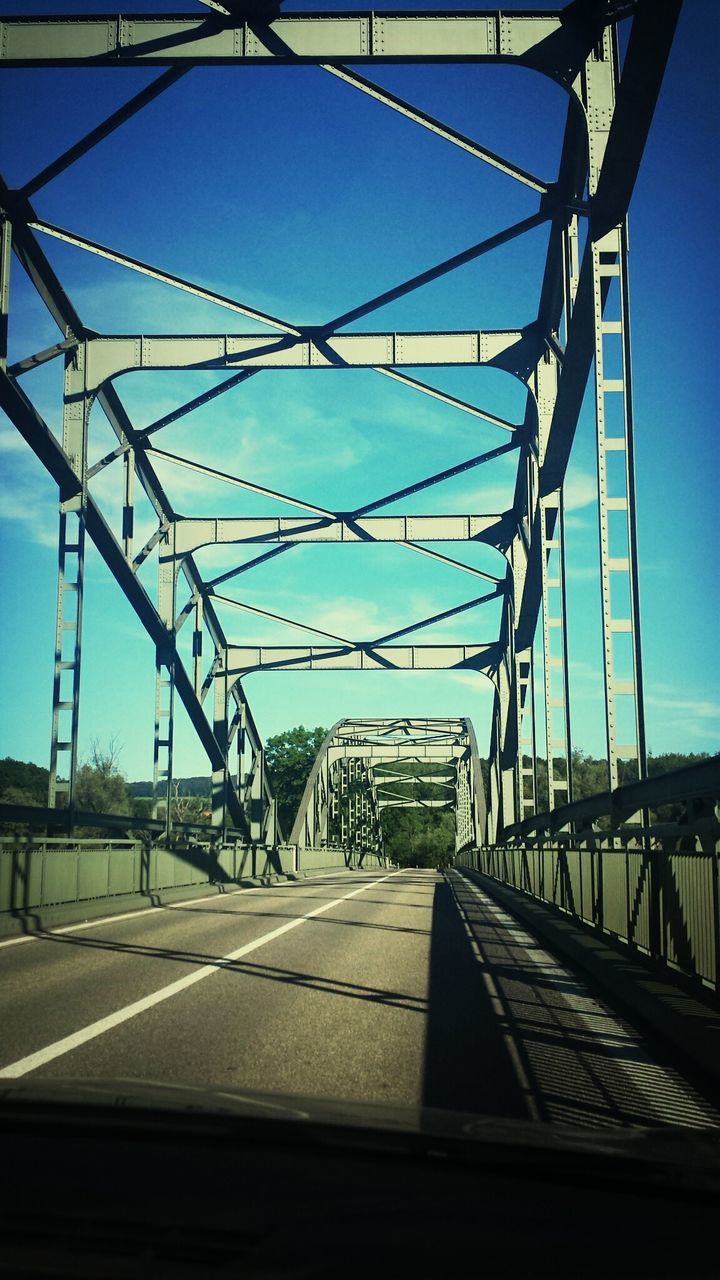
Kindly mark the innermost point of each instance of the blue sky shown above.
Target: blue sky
(302, 197)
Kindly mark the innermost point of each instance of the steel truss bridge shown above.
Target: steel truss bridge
(366, 766)
(578, 336)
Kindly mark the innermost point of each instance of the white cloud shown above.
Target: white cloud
(349, 617)
(580, 490)
(29, 496)
(38, 517)
(10, 440)
(475, 680)
(583, 573)
(698, 708)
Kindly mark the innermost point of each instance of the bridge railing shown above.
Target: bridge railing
(652, 885)
(105, 872)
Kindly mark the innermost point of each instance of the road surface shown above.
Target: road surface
(398, 987)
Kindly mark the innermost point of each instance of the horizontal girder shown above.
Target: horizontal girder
(192, 534)
(409, 803)
(398, 751)
(382, 657)
(115, 40)
(109, 356)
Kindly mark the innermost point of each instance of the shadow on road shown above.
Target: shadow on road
(511, 1031)
(468, 1066)
(246, 968)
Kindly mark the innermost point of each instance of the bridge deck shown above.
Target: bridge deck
(407, 987)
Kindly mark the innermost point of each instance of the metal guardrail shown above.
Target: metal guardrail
(41, 871)
(654, 887)
(57, 872)
(61, 819)
(693, 784)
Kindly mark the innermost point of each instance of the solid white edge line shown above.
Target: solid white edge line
(59, 1047)
(148, 911)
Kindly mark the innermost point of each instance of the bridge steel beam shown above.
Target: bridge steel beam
(584, 300)
(31, 426)
(554, 43)
(356, 777)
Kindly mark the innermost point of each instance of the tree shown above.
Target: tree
(289, 758)
(419, 837)
(99, 785)
(187, 808)
(23, 783)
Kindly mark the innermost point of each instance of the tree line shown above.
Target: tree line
(412, 836)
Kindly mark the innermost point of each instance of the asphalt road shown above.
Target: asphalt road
(408, 987)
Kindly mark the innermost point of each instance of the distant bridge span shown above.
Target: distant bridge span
(348, 787)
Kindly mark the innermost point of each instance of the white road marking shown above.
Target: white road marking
(78, 1038)
(651, 1080)
(148, 911)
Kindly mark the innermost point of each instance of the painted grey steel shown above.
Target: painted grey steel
(538, 40)
(654, 889)
(552, 355)
(353, 780)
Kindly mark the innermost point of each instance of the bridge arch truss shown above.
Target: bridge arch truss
(366, 766)
(554, 350)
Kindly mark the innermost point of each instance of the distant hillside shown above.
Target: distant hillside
(186, 787)
(589, 773)
(23, 783)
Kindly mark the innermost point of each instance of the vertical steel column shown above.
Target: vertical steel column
(165, 680)
(220, 729)
(354, 814)
(128, 511)
(343, 798)
(504, 694)
(519, 662)
(334, 813)
(615, 456)
(555, 658)
(526, 803)
(493, 816)
(5, 259)
(554, 612)
(241, 775)
(71, 577)
(197, 653)
(257, 797)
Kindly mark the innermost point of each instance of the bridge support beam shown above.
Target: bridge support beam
(70, 590)
(615, 440)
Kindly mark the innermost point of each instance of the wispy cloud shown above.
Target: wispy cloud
(697, 708)
(580, 490)
(583, 572)
(475, 680)
(29, 497)
(10, 440)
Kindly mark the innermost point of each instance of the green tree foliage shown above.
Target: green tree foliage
(419, 837)
(198, 787)
(289, 758)
(23, 783)
(99, 785)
